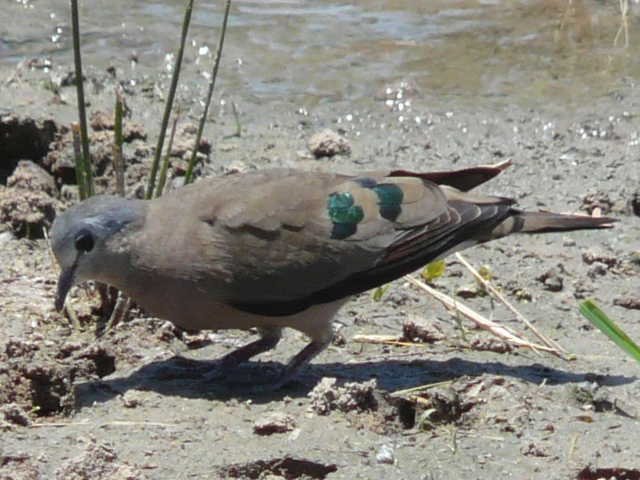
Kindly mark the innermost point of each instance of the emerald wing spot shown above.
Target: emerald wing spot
(344, 214)
(389, 200)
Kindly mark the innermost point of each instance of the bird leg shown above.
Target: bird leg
(307, 354)
(269, 338)
(219, 369)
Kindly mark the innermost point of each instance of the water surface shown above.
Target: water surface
(529, 52)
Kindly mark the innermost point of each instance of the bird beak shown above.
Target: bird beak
(65, 282)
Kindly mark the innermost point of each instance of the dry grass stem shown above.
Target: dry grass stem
(491, 289)
(384, 340)
(500, 331)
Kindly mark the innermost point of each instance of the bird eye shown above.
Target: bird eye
(84, 241)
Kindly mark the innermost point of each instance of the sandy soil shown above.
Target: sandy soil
(77, 405)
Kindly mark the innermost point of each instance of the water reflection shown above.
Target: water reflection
(473, 51)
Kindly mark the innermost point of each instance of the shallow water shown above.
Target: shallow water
(318, 52)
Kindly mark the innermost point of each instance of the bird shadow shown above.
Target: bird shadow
(390, 375)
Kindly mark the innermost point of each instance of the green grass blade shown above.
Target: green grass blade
(118, 140)
(155, 165)
(84, 168)
(212, 82)
(598, 318)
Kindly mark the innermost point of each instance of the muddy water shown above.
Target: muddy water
(545, 51)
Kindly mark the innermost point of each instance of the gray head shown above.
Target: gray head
(79, 238)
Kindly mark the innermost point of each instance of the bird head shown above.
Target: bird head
(82, 239)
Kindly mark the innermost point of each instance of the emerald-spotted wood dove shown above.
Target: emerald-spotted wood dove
(281, 248)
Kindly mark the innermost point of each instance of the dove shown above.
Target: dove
(271, 249)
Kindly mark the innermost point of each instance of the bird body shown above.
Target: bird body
(281, 248)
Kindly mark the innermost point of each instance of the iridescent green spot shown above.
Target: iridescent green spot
(342, 210)
(389, 199)
(344, 214)
(342, 231)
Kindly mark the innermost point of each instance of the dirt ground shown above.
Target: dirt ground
(76, 405)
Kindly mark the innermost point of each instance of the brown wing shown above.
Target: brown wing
(276, 242)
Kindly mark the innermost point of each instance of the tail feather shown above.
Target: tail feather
(463, 180)
(544, 222)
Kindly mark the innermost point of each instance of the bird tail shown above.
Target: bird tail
(462, 180)
(544, 222)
